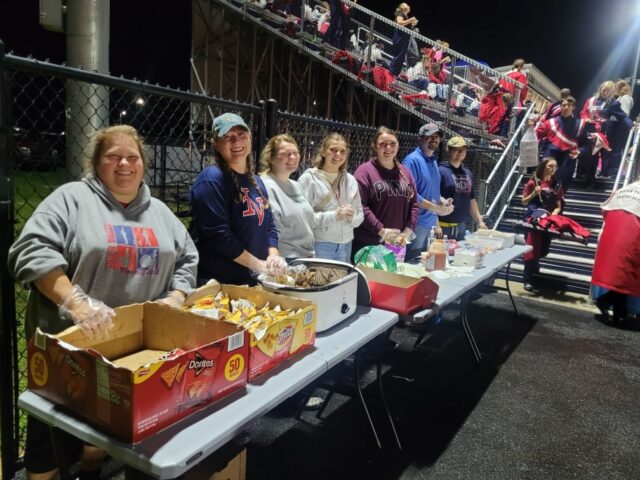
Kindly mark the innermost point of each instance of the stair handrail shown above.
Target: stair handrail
(500, 161)
(511, 195)
(630, 149)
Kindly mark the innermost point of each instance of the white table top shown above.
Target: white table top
(452, 288)
(174, 450)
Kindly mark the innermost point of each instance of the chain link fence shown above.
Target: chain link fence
(50, 112)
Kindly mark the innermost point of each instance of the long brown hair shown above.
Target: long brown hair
(334, 137)
(382, 130)
(221, 162)
(538, 175)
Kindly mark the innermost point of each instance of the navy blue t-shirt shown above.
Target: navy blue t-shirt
(456, 183)
(223, 226)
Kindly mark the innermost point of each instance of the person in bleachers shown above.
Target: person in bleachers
(339, 24)
(542, 192)
(617, 130)
(388, 195)
(418, 74)
(597, 110)
(438, 54)
(519, 76)
(456, 182)
(502, 127)
(617, 262)
(565, 139)
(413, 54)
(438, 78)
(401, 39)
(554, 108)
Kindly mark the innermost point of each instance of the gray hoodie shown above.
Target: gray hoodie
(115, 254)
(293, 217)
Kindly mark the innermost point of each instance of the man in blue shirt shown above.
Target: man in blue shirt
(456, 182)
(423, 164)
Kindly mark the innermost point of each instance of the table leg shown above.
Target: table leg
(384, 402)
(364, 404)
(506, 281)
(61, 456)
(464, 316)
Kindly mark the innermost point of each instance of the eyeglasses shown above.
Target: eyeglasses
(288, 154)
(552, 166)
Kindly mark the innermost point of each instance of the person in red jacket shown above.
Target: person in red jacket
(617, 262)
(564, 138)
(542, 192)
(492, 109)
(519, 76)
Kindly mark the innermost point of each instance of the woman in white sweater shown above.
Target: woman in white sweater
(333, 194)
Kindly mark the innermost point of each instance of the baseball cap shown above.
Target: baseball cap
(456, 142)
(225, 122)
(429, 129)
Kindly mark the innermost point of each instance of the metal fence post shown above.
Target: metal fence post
(271, 118)
(261, 134)
(8, 354)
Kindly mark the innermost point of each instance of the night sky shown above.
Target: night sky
(576, 43)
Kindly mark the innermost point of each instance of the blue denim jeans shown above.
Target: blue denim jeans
(333, 251)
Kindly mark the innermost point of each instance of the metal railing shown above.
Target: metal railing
(502, 177)
(372, 33)
(628, 169)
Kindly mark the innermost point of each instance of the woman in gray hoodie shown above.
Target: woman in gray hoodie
(98, 243)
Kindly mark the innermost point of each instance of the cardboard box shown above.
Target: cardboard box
(283, 339)
(399, 293)
(235, 469)
(158, 365)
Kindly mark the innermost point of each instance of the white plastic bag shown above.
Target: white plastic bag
(529, 149)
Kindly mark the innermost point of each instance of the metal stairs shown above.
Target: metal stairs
(569, 264)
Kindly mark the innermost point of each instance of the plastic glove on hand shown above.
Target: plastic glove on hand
(345, 213)
(173, 299)
(388, 235)
(94, 318)
(443, 210)
(276, 265)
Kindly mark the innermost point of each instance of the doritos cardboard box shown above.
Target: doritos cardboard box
(399, 293)
(284, 338)
(158, 365)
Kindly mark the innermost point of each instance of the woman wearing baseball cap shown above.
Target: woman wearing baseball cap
(456, 182)
(232, 224)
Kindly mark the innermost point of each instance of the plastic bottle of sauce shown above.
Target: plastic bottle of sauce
(436, 257)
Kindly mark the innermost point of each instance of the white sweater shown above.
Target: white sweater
(327, 227)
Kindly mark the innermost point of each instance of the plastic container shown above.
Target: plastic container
(529, 149)
(436, 257)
